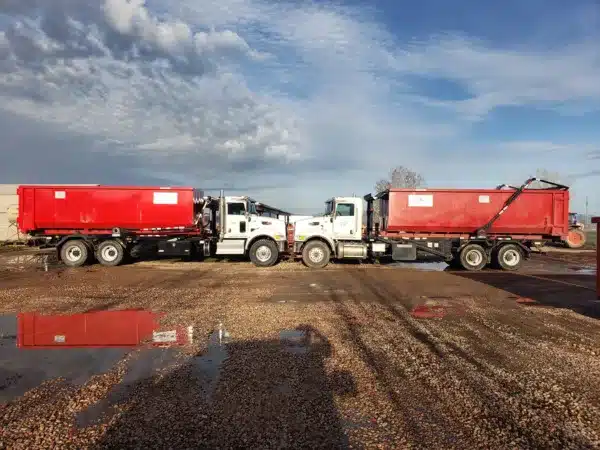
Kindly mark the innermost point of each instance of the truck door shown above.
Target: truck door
(344, 222)
(236, 221)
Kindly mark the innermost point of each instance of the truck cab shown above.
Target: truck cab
(243, 232)
(337, 233)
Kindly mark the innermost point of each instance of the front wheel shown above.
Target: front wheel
(316, 254)
(264, 253)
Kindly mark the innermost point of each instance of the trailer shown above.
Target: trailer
(471, 228)
(112, 223)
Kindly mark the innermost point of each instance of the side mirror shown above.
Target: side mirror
(331, 219)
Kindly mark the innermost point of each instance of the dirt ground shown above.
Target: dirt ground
(351, 356)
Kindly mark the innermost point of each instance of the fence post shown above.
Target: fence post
(596, 220)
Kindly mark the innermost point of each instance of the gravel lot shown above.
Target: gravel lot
(349, 356)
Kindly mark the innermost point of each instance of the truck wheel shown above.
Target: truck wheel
(575, 239)
(110, 253)
(316, 254)
(509, 257)
(264, 253)
(74, 253)
(473, 257)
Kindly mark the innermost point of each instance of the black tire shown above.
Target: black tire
(110, 253)
(91, 259)
(316, 254)
(264, 253)
(454, 263)
(74, 253)
(509, 257)
(473, 257)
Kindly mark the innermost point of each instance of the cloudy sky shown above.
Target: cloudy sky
(296, 101)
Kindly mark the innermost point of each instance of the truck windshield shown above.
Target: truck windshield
(328, 208)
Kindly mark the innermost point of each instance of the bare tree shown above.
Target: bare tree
(399, 177)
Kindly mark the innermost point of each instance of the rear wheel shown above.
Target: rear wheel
(74, 253)
(509, 257)
(264, 253)
(473, 257)
(316, 254)
(110, 253)
(576, 238)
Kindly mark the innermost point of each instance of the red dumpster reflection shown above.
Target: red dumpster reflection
(123, 328)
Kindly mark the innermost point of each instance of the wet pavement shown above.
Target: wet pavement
(349, 356)
(36, 348)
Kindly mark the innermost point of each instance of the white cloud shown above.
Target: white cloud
(495, 77)
(230, 89)
(537, 147)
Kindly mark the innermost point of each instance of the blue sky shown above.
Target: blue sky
(294, 102)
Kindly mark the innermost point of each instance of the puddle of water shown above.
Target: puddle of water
(22, 370)
(427, 266)
(441, 306)
(586, 270)
(77, 347)
(294, 341)
(207, 367)
(526, 301)
(45, 261)
(146, 364)
(428, 312)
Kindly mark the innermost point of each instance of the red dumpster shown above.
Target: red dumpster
(596, 220)
(100, 207)
(535, 211)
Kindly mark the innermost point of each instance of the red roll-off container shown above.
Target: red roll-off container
(104, 207)
(534, 212)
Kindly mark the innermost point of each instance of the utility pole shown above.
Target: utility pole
(586, 211)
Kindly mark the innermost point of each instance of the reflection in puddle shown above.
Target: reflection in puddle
(148, 363)
(35, 348)
(142, 366)
(22, 370)
(585, 270)
(438, 266)
(294, 341)
(441, 307)
(46, 260)
(207, 367)
(428, 312)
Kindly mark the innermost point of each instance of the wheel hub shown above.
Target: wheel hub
(109, 253)
(74, 254)
(263, 253)
(511, 258)
(474, 258)
(316, 255)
